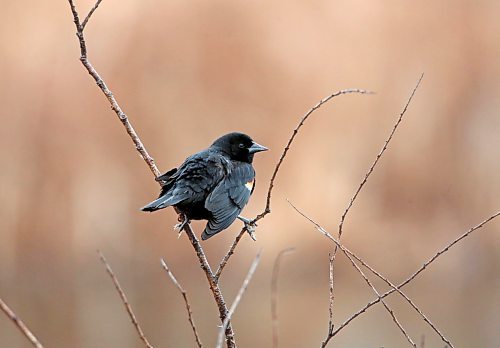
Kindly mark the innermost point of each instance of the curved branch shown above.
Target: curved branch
(267, 208)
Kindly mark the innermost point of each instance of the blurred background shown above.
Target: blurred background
(187, 72)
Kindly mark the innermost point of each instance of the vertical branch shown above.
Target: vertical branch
(237, 299)
(125, 301)
(214, 286)
(331, 260)
(274, 293)
(20, 324)
(186, 301)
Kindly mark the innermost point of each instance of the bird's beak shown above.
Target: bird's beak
(256, 148)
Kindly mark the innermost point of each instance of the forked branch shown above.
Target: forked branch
(237, 299)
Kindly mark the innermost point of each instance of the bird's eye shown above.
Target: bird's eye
(241, 146)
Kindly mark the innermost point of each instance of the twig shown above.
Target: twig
(267, 208)
(274, 293)
(331, 260)
(350, 254)
(125, 301)
(104, 88)
(360, 271)
(237, 299)
(414, 275)
(389, 310)
(372, 167)
(20, 324)
(214, 286)
(91, 12)
(186, 301)
(149, 161)
(394, 287)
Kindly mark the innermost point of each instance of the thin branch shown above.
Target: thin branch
(414, 275)
(350, 255)
(360, 271)
(372, 167)
(213, 284)
(20, 324)
(386, 144)
(237, 299)
(125, 301)
(91, 12)
(274, 293)
(267, 208)
(389, 310)
(149, 161)
(104, 88)
(331, 260)
(394, 287)
(186, 301)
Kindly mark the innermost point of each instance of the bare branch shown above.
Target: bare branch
(186, 301)
(274, 293)
(267, 208)
(237, 299)
(104, 88)
(331, 259)
(213, 284)
(360, 271)
(386, 144)
(149, 161)
(125, 301)
(372, 167)
(20, 324)
(394, 287)
(91, 12)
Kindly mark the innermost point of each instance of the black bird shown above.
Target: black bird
(214, 184)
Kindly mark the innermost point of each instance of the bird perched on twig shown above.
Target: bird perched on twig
(214, 184)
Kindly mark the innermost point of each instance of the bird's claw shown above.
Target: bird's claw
(250, 226)
(180, 226)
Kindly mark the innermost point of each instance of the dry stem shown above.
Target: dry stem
(274, 293)
(20, 324)
(149, 161)
(125, 301)
(267, 208)
(237, 299)
(186, 301)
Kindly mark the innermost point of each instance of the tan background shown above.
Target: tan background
(189, 71)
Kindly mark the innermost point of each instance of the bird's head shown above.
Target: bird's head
(239, 146)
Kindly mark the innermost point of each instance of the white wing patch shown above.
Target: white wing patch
(249, 185)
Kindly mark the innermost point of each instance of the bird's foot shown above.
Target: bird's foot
(250, 226)
(183, 220)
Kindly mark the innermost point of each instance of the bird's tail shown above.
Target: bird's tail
(157, 204)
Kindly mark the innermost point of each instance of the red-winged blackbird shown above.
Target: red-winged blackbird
(214, 184)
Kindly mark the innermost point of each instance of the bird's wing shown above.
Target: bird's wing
(228, 198)
(192, 182)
